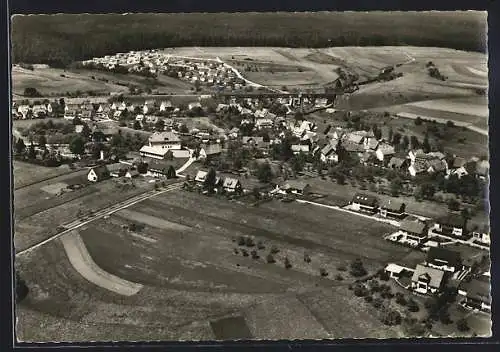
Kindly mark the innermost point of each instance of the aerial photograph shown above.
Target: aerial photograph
(250, 176)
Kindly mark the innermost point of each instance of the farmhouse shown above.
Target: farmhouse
(296, 187)
(476, 293)
(365, 203)
(427, 280)
(329, 154)
(232, 185)
(451, 224)
(158, 168)
(156, 152)
(482, 235)
(444, 259)
(210, 151)
(413, 230)
(392, 209)
(97, 174)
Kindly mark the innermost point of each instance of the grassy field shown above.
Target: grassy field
(50, 82)
(26, 174)
(185, 259)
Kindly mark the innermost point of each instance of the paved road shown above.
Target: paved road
(102, 213)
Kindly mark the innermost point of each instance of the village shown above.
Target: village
(186, 178)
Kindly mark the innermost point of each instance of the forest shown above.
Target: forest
(58, 40)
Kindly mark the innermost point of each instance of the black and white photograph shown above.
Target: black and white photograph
(250, 176)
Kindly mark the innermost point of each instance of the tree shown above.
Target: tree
(405, 142)
(270, 259)
(31, 152)
(22, 289)
(183, 128)
(462, 325)
(391, 134)
(20, 146)
(77, 145)
(357, 268)
(42, 141)
(396, 186)
(323, 272)
(414, 142)
(160, 125)
(288, 265)
(396, 139)
(426, 146)
(454, 205)
(418, 121)
(171, 172)
(264, 173)
(137, 125)
(412, 305)
(209, 183)
(307, 258)
(31, 92)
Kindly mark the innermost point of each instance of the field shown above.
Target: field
(49, 82)
(184, 261)
(26, 174)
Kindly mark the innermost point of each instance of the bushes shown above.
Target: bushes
(360, 290)
(323, 272)
(274, 250)
(391, 317)
(270, 259)
(339, 277)
(412, 305)
(357, 268)
(307, 258)
(288, 265)
(241, 241)
(462, 325)
(254, 254)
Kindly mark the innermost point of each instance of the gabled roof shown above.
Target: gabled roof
(159, 165)
(396, 162)
(353, 147)
(154, 150)
(413, 225)
(169, 137)
(328, 149)
(451, 219)
(101, 170)
(438, 253)
(392, 205)
(458, 162)
(365, 199)
(294, 184)
(437, 165)
(201, 176)
(212, 149)
(230, 182)
(435, 276)
(386, 149)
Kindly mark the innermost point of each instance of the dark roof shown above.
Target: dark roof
(297, 185)
(413, 226)
(458, 162)
(393, 205)
(396, 162)
(365, 199)
(434, 276)
(454, 220)
(159, 165)
(478, 288)
(101, 170)
(452, 257)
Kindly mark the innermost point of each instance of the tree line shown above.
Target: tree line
(60, 40)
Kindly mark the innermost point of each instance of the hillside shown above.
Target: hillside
(60, 39)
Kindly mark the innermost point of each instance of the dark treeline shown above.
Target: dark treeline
(61, 39)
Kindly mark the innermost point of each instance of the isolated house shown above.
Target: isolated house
(413, 230)
(444, 259)
(427, 280)
(365, 203)
(296, 187)
(482, 235)
(476, 293)
(451, 225)
(97, 174)
(232, 185)
(392, 209)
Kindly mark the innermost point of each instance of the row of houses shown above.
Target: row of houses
(413, 230)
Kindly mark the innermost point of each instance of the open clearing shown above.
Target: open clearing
(82, 262)
(193, 273)
(26, 174)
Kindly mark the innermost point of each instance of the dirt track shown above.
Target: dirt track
(82, 262)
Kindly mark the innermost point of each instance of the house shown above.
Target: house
(70, 114)
(252, 141)
(427, 280)
(155, 152)
(166, 140)
(194, 105)
(482, 169)
(436, 165)
(476, 293)
(451, 224)
(264, 123)
(365, 203)
(158, 168)
(412, 154)
(297, 148)
(166, 106)
(482, 235)
(329, 154)
(372, 144)
(296, 187)
(132, 174)
(413, 230)
(384, 152)
(200, 176)
(98, 173)
(232, 185)
(210, 151)
(394, 270)
(392, 208)
(444, 259)
(396, 163)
